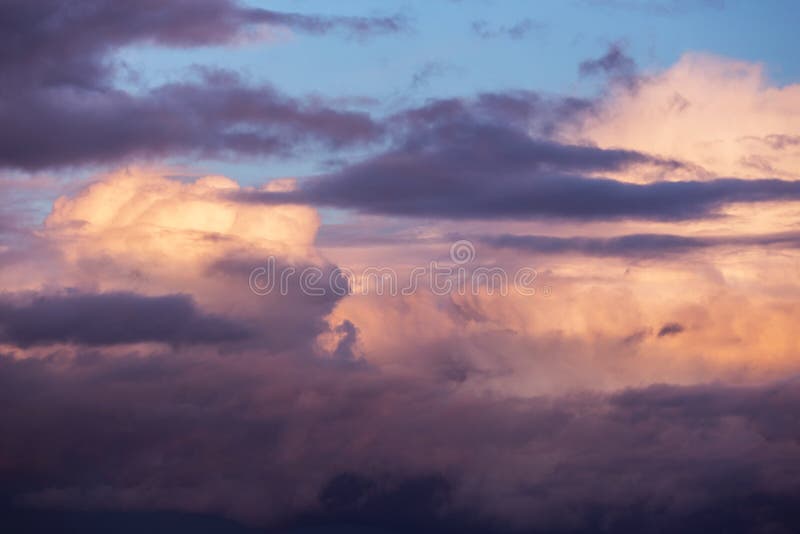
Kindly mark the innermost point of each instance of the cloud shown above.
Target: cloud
(164, 381)
(722, 114)
(215, 116)
(62, 108)
(671, 329)
(141, 231)
(110, 319)
(518, 30)
(416, 501)
(635, 245)
(32, 521)
(518, 111)
(56, 44)
(614, 64)
(430, 70)
(658, 7)
(357, 27)
(346, 345)
(146, 219)
(495, 157)
(591, 322)
(278, 441)
(442, 174)
(148, 233)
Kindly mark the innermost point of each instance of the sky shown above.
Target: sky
(414, 266)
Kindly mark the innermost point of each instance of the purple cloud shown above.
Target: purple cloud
(216, 115)
(286, 441)
(634, 245)
(110, 319)
(615, 64)
(61, 107)
(455, 160)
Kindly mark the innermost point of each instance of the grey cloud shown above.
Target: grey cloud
(110, 319)
(255, 439)
(635, 245)
(60, 106)
(671, 329)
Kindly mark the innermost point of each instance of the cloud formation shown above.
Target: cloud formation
(635, 245)
(495, 157)
(139, 231)
(617, 66)
(722, 114)
(62, 107)
(466, 170)
(252, 440)
(110, 319)
(54, 43)
(215, 116)
(161, 350)
(156, 222)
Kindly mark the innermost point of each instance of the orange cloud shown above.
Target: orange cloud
(722, 114)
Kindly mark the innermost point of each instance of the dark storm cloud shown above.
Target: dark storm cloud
(297, 440)
(634, 245)
(59, 105)
(110, 319)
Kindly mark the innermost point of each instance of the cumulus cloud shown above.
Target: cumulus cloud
(722, 114)
(141, 214)
(143, 370)
(140, 236)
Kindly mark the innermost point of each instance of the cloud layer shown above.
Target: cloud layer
(249, 439)
(167, 359)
